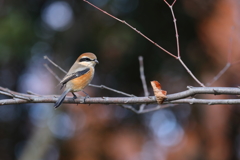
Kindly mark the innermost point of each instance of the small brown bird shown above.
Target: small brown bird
(79, 76)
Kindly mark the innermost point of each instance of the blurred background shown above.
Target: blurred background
(62, 30)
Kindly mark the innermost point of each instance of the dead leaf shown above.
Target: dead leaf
(158, 92)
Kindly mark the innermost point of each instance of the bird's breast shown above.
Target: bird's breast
(81, 82)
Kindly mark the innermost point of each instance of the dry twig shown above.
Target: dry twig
(142, 76)
(176, 30)
(228, 64)
(143, 79)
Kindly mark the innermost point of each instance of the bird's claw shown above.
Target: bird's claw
(84, 100)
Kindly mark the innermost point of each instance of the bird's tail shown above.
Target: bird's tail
(61, 98)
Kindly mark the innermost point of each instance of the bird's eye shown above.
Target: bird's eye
(85, 60)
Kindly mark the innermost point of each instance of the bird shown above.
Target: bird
(78, 77)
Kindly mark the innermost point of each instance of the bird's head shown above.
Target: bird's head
(87, 59)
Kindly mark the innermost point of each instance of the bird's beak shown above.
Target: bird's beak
(96, 61)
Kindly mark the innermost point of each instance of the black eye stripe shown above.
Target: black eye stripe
(85, 60)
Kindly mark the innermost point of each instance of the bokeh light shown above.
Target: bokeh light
(62, 126)
(166, 128)
(58, 15)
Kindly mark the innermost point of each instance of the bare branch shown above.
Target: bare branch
(142, 76)
(170, 5)
(149, 109)
(158, 107)
(207, 101)
(230, 52)
(46, 57)
(143, 79)
(51, 71)
(119, 101)
(204, 90)
(111, 89)
(32, 93)
(175, 26)
(125, 100)
(228, 65)
(176, 30)
(130, 108)
(7, 92)
(177, 41)
(83, 100)
(190, 72)
(124, 22)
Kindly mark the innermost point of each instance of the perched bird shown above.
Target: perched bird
(79, 76)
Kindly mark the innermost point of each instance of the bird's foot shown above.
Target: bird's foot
(84, 100)
(87, 96)
(74, 97)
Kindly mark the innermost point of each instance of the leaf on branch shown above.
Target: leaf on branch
(158, 92)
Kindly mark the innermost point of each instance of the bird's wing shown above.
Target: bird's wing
(74, 75)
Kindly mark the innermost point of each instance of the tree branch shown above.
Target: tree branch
(204, 90)
(124, 22)
(206, 101)
(176, 98)
(142, 76)
(144, 83)
(176, 31)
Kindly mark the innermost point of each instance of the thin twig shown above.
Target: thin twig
(124, 22)
(9, 93)
(143, 79)
(130, 108)
(51, 71)
(175, 26)
(158, 107)
(149, 109)
(111, 89)
(230, 52)
(190, 73)
(142, 76)
(177, 41)
(170, 4)
(206, 101)
(204, 90)
(177, 36)
(142, 106)
(228, 65)
(32, 93)
(46, 57)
